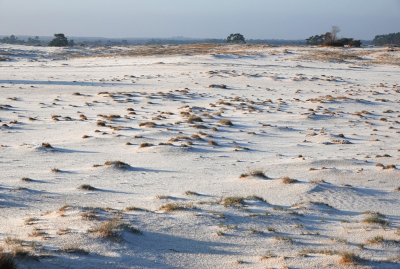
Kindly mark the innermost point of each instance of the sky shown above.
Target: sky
(255, 19)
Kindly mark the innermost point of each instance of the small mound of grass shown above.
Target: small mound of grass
(375, 220)
(145, 145)
(255, 173)
(7, 261)
(349, 258)
(86, 187)
(63, 208)
(376, 240)
(117, 163)
(199, 126)
(147, 124)
(26, 179)
(133, 208)
(213, 143)
(47, 145)
(288, 180)
(193, 119)
(233, 201)
(321, 203)
(375, 214)
(171, 207)
(112, 229)
(226, 122)
(219, 233)
(390, 166)
(258, 198)
(74, 249)
(190, 193)
(284, 239)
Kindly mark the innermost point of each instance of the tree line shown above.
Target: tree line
(389, 39)
(14, 40)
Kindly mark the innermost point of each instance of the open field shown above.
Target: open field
(200, 156)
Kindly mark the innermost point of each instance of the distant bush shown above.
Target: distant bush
(235, 38)
(330, 39)
(355, 43)
(59, 41)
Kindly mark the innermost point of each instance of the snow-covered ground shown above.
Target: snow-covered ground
(231, 121)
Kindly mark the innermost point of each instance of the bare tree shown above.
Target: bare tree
(334, 32)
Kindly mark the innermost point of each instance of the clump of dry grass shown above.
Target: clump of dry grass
(341, 142)
(36, 233)
(112, 229)
(267, 256)
(218, 86)
(190, 193)
(7, 261)
(119, 164)
(63, 231)
(233, 201)
(255, 173)
(171, 207)
(226, 122)
(349, 258)
(255, 197)
(147, 124)
(145, 145)
(376, 240)
(47, 145)
(213, 143)
(390, 166)
(288, 180)
(30, 221)
(199, 126)
(101, 123)
(193, 119)
(317, 181)
(284, 239)
(375, 220)
(74, 249)
(63, 208)
(86, 187)
(197, 137)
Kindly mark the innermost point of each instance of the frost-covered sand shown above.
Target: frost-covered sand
(325, 121)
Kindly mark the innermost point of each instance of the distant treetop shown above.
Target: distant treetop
(59, 41)
(235, 38)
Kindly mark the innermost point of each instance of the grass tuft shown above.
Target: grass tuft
(375, 220)
(7, 261)
(119, 164)
(226, 122)
(86, 187)
(172, 207)
(112, 229)
(233, 201)
(348, 258)
(288, 180)
(190, 193)
(376, 240)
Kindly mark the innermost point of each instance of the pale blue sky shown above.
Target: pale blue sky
(258, 19)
